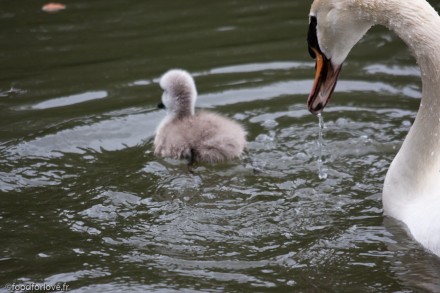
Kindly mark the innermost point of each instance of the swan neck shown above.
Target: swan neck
(415, 171)
(418, 25)
(415, 21)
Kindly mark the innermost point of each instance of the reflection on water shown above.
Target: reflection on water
(85, 201)
(70, 100)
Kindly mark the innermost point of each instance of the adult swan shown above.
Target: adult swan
(411, 191)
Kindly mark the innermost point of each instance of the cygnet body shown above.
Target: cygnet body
(199, 137)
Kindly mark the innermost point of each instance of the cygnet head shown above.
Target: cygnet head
(180, 94)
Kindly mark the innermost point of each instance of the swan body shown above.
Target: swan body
(199, 137)
(411, 191)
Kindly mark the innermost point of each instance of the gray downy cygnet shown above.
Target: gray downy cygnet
(196, 136)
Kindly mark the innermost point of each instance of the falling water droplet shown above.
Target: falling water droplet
(321, 172)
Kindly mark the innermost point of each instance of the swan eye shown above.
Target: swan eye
(312, 38)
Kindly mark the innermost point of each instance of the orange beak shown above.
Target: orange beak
(326, 77)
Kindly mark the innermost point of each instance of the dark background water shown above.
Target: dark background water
(84, 201)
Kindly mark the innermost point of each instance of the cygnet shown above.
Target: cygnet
(198, 137)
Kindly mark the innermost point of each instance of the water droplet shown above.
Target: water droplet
(321, 172)
(263, 138)
(406, 123)
(270, 124)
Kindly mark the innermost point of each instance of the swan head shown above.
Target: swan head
(335, 26)
(179, 93)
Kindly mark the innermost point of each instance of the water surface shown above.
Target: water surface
(85, 202)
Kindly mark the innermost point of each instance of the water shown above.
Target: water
(85, 202)
(321, 171)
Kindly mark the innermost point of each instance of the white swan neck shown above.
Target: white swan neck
(418, 25)
(415, 172)
(412, 185)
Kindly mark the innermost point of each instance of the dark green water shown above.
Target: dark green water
(84, 201)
